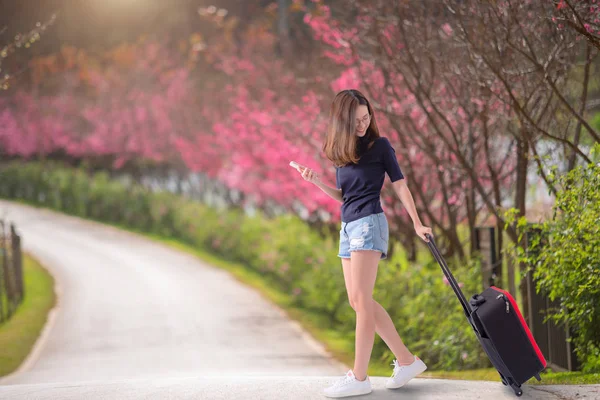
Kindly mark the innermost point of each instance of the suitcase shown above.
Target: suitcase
(501, 330)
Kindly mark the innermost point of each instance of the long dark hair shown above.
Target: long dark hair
(341, 142)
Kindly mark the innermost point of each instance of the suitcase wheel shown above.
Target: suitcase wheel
(517, 389)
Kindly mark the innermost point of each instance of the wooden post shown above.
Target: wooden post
(486, 245)
(17, 263)
(2, 275)
(8, 279)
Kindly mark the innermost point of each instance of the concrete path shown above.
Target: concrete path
(284, 388)
(139, 320)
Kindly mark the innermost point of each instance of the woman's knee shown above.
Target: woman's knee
(361, 302)
(352, 303)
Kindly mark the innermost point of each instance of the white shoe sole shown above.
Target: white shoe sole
(356, 392)
(391, 384)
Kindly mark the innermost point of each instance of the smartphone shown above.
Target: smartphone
(294, 164)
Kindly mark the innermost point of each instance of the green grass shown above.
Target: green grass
(19, 333)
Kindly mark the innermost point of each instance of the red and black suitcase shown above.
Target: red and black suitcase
(501, 330)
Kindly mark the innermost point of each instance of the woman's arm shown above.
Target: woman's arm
(335, 194)
(406, 198)
(310, 176)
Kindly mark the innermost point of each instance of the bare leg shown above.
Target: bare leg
(383, 323)
(386, 329)
(363, 266)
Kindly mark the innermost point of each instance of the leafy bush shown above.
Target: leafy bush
(284, 250)
(565, 257)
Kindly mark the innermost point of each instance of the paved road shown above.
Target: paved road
(137, 320)
(283, 388)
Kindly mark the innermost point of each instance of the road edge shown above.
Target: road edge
(42, 339)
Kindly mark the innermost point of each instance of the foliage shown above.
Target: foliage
(289, 255)
(564, 253)
(596, 121)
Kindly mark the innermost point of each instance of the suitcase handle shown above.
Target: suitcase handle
(448, 274)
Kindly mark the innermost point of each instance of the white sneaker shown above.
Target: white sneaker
(348, 386)
(404, 373)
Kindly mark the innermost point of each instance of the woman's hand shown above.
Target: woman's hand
(308, 174)
(422, 231)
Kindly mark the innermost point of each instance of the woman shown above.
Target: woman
(362, 158)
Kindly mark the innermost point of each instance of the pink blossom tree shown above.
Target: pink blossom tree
(582, 16)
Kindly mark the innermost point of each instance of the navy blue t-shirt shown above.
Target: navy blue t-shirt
(361, 183)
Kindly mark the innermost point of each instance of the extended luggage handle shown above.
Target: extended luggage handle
(448, 274)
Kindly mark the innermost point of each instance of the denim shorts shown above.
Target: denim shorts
(367, 233)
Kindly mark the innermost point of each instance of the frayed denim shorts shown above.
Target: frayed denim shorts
(367, 233)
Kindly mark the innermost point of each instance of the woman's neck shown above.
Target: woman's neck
(363, 144)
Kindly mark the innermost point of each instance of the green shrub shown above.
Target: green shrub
(289, 255)
(565, 258)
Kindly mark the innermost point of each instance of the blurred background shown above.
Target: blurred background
(179, 118)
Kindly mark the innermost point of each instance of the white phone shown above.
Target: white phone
(294, 164)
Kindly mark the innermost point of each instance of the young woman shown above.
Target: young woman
(362, 158)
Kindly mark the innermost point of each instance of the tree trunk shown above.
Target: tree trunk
(283, 27)
(500, 241)
(471, 206)
(584, 93)
(520, 197)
